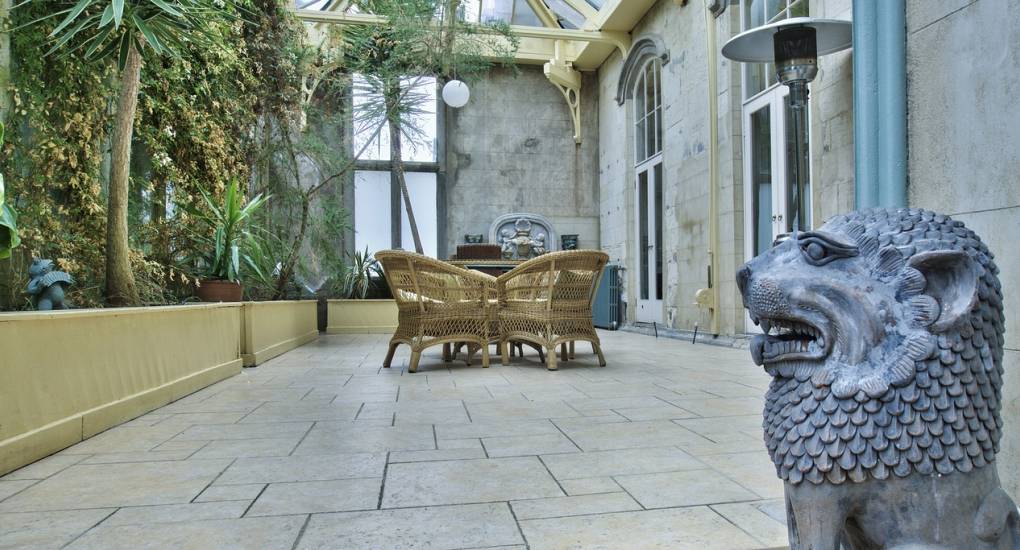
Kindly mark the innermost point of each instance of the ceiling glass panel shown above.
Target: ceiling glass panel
(566, 13)
(524, 15)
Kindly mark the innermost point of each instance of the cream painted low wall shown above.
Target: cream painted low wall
(273, 328)
(361, 316)
(66, 376)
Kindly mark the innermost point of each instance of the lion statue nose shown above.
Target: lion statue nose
(743, 276)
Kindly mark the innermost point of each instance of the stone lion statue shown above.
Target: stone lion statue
(883, 333)
(46, 286)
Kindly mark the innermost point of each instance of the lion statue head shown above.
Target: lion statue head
(883, 332)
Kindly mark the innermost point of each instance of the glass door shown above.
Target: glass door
(649, 245)
(770, 171)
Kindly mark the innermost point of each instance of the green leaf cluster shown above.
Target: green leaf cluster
(223, 234)
(8, 218)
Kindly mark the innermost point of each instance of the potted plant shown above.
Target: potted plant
(224, 244)
(360, 277)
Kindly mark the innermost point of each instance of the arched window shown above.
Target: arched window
(647, 102)
(648, 111)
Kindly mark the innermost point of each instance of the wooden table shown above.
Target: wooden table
(491, 267)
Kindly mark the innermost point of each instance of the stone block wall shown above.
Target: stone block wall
(512, 149)
(686, 157)
(963, 70)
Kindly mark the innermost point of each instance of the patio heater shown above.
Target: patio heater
(794, 46)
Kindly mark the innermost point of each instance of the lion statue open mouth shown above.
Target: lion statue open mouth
(883, 332)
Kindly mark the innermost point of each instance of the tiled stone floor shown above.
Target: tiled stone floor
(322, 448)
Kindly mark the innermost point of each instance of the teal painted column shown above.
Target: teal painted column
(880, 103)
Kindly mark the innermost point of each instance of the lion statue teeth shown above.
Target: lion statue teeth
(883, 333)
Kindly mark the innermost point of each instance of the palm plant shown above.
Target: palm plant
(228, 241)
(123, 29)
(359, 277)
(8, 218)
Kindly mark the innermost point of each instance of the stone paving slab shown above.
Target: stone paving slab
(262, 533)
(303, 468)
(113, 485)
(467, 481)
(660, 449)
(695, 528)
(308, 497)
(573, 506)
(620, 462)
(688, 488)
(47, 529)
(439, 527)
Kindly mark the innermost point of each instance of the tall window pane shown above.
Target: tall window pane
(372, 228)
(421, 186)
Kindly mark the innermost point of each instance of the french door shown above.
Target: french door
(649, 241)
(770, 158)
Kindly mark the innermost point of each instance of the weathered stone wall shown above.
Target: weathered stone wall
(963, 70)
(512, 149)
(686, 157)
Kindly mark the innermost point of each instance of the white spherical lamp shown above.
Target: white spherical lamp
(456, 94)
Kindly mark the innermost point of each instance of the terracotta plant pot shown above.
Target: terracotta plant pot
(210, 290)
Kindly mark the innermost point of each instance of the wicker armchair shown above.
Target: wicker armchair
(438, 303)
(547, 301)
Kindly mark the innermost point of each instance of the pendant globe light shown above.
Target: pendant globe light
(456, 94)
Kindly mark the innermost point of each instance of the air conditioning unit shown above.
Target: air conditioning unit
(606, 309)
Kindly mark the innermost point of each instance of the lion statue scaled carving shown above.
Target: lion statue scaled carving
(883, 334)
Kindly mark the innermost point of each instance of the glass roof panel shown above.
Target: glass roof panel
(566, 13)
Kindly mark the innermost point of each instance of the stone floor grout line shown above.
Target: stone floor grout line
(35, 482)
(301, 532)
(435, 437)
(466, 411)
(731, 522)
(382, 486)
(360, 408)
(254, 500)
(202, 446)
(213, 480)
(302, 440)
(518, 523)
(82, 534)
(639, 503)
(558, 484)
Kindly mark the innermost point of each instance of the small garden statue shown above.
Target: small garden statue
(47, 286)
(883, 335)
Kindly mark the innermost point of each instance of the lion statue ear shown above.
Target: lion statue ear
(952, 281)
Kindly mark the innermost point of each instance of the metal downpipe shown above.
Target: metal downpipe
(880, 103)
(713, 164)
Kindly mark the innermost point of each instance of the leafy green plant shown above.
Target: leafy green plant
(96, 30)
(8, 218)
(360, 276)
(228, 239)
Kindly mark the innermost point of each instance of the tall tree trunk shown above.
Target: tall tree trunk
(396, 157)
(120, 281)
(287, 269)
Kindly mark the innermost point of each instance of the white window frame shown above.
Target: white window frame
(646, 159)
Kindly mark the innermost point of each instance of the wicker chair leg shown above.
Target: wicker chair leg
(389, 355)
(412, 366)
(513, 349)
(541, 355)
(506, 351)
(447, 353)
(563, 352)
(597, 348)
(571, 347)
(550, 358)
(485, 356)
